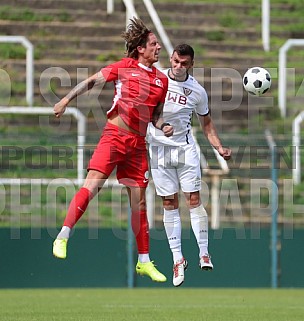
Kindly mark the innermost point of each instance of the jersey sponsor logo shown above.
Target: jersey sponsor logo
(146, 180)
(176, 98)
(134, 74)
(158, 82)
(187, 91)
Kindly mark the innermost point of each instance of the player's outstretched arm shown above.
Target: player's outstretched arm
(84, 86)
(212, 136)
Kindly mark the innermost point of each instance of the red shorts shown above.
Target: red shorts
(127, 151)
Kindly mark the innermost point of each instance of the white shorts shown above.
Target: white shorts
(173, 168)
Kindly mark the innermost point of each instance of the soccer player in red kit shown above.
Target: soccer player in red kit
(140, 91)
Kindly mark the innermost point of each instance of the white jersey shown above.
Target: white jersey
(183, 98)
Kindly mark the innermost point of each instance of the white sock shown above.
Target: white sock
(144, 258)
(199, 223)
(172, 224)
(64, 233)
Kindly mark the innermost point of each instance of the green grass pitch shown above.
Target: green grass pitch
(151, 304)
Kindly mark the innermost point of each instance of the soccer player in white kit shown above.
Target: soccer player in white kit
(175, 161)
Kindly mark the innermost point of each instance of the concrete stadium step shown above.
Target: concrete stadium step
(59, 4)
(209, 17)
(108, 42)
(170, 6)
(200, 13)
(207, 7)
(215, 20)
(69, 66)
(101, 42)
(88, 28)
(103, 56)
(75, 15)
(217, 58)
(249, 33)
(59, 28)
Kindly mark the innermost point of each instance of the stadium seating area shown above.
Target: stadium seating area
(74, 38)
(77, 34)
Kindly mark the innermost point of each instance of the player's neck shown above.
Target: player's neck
(176, 78)
(146, 63)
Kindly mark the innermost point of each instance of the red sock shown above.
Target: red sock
(140, 229)
(77, 207)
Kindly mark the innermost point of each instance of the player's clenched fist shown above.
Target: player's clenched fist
(225, 153)
(168, 130)
(60, 107)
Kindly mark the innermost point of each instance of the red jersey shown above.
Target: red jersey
(138, 90)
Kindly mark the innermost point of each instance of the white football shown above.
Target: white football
(257, 81)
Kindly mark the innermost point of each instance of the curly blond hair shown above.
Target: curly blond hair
(135, 35)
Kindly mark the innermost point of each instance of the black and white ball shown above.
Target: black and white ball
(257, 81)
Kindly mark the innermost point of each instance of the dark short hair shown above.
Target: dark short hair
(184, 50)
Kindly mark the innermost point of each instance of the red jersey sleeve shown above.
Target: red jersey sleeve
(110, 73)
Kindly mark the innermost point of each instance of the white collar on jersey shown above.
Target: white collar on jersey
(175, 78)
(144, 67)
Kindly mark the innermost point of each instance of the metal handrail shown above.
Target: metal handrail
(159, 26)
(282, 71)
(81, 134)
(296, 143)
(29, 63)
(131, 12)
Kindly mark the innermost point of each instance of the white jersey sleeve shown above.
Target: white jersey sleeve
(202, 108)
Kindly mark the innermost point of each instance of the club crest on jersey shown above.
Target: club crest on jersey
(187, 91)
(158, 82)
